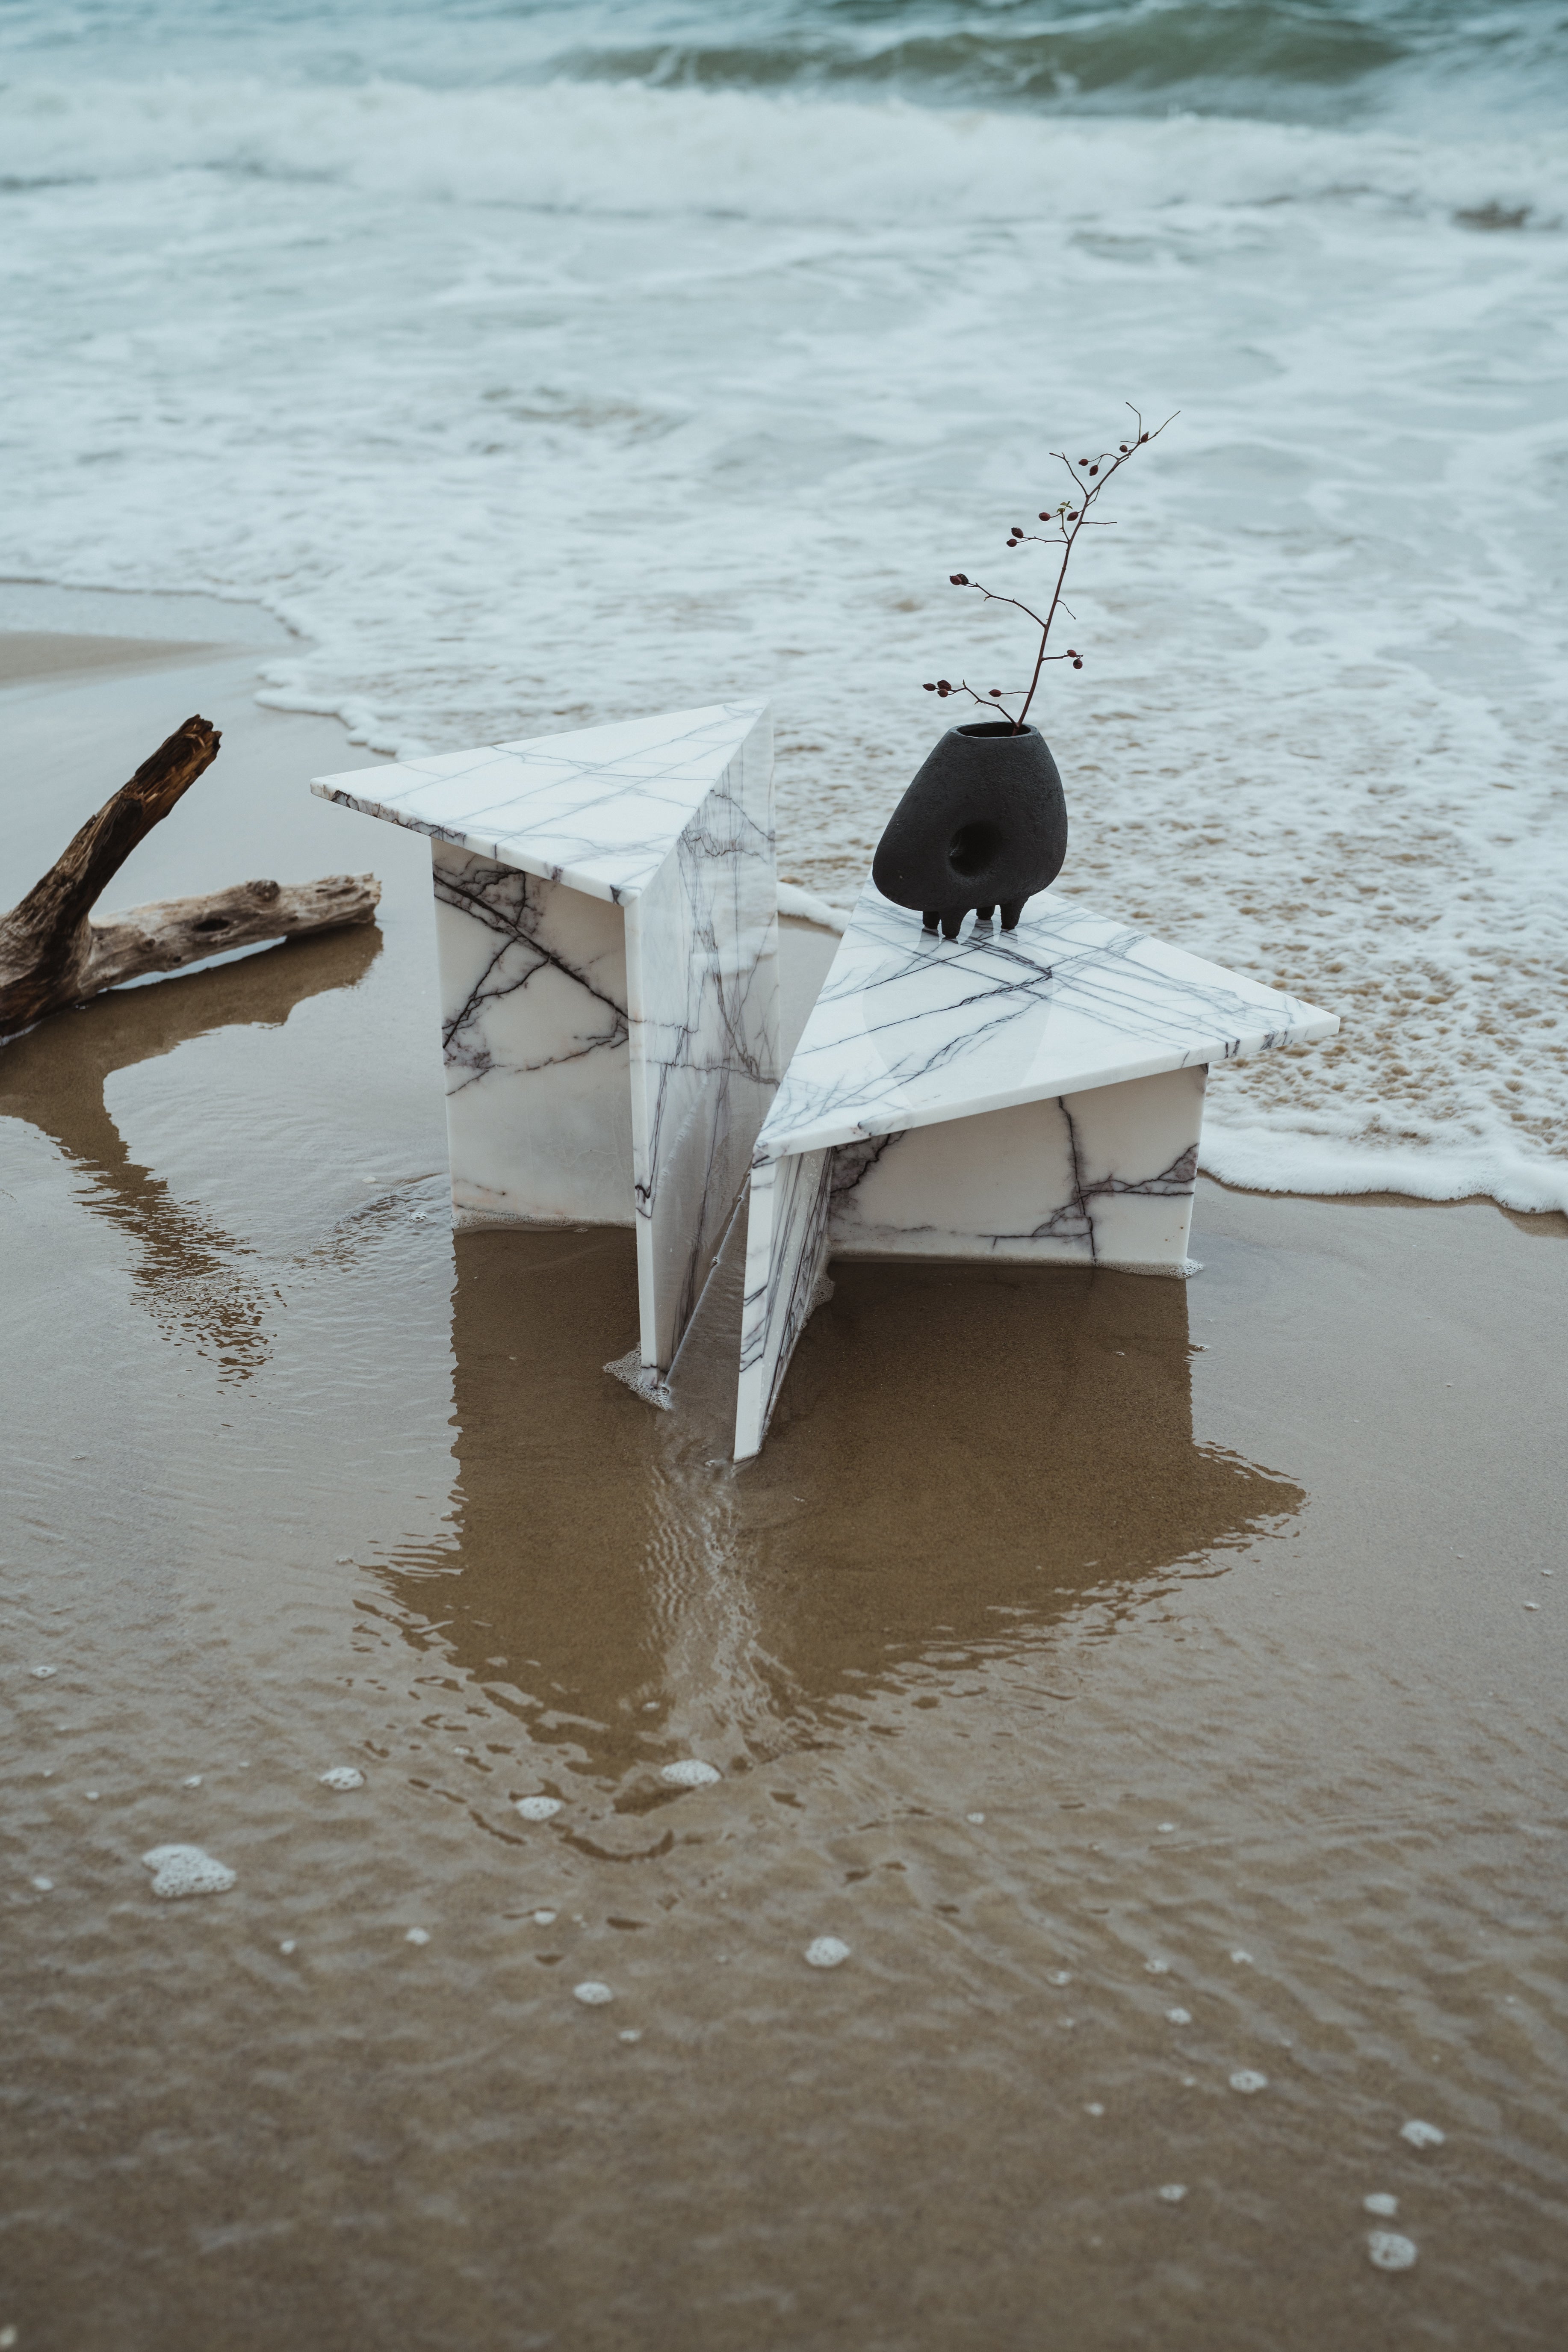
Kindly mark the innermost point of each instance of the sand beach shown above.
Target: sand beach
(1066, 1849)
(1156, 1687)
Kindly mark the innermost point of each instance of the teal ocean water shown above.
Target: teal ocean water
(544, 363)
(1323, 61)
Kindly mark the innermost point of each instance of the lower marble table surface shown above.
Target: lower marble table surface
(608, 935)
(1032, 1095)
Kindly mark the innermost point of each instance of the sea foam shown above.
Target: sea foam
(180, 1870)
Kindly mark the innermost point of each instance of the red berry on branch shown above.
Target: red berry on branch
(1044, 518)
(1124, 449)
(1073, 516)
(1141, 438)
(1083, 461)
(944, 686)
(1078, 665)
(959, 578)
(930, 686)
(995, 690)
(1094, 469)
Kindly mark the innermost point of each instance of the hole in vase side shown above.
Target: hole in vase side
(973, 849)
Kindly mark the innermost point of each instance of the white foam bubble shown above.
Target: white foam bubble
(1246, 2079)
(690, 1772)
(976, 1818)
(1179, 2016)
(1172, 2193)
(592, 1993)
(342, 1776)
(630, 2033)
(180, 1870)
(825, 1952)
(1389, 2251)
(1381, 2203)
(1243, 1959)
(287, 1946)
(417, 1935)
(44, 1885)
(1158, 1968)
(1058, 1976)
(545, 1918)
(42, 1674)
(194, 1782)
(1093, 2107)
(91, 1796)
(538, 1809)
(1422, 2135)
(1166, 1827)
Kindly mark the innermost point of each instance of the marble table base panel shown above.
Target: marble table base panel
(1102, 1177)
(535, 1030)
(702, 971)
(787, 1255)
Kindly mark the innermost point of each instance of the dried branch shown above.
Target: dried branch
(1089, 476)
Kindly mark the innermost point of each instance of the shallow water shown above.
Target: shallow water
(1081, 1650)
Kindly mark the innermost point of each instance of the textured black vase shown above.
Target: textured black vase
(984, 824)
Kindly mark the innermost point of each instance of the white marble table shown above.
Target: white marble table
(606, 929)
(1033, 1095)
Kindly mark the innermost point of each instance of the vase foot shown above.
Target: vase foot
(950, 924)
(1011, 912)
(929, 922)
(984, 914)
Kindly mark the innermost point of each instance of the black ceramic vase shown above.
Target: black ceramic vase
(984, 824)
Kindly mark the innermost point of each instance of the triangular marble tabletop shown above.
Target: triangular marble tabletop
(607, 931)
(1034, 1095)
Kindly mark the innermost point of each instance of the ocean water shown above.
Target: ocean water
(541, 364)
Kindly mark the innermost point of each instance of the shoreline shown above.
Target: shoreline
(47, 661)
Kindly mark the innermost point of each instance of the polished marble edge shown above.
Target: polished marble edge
(787, 1250)
(911, 1029)
(546, 804)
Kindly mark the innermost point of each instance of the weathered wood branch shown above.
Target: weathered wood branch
(173, 932)
(51, 955)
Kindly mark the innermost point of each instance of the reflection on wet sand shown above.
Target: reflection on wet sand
(189, 1272)
(964, 1458)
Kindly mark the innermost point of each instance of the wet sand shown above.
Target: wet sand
(1152, 1684)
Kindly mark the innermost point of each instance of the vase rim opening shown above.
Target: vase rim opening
(983, 730)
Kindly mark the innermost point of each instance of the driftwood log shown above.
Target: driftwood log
(51, 955)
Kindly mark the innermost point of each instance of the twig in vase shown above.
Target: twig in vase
(1072, 515)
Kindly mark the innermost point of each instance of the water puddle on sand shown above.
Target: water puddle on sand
(832, 1903)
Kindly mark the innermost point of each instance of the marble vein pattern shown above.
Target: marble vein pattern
(606, 932)
(1034, 1095)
